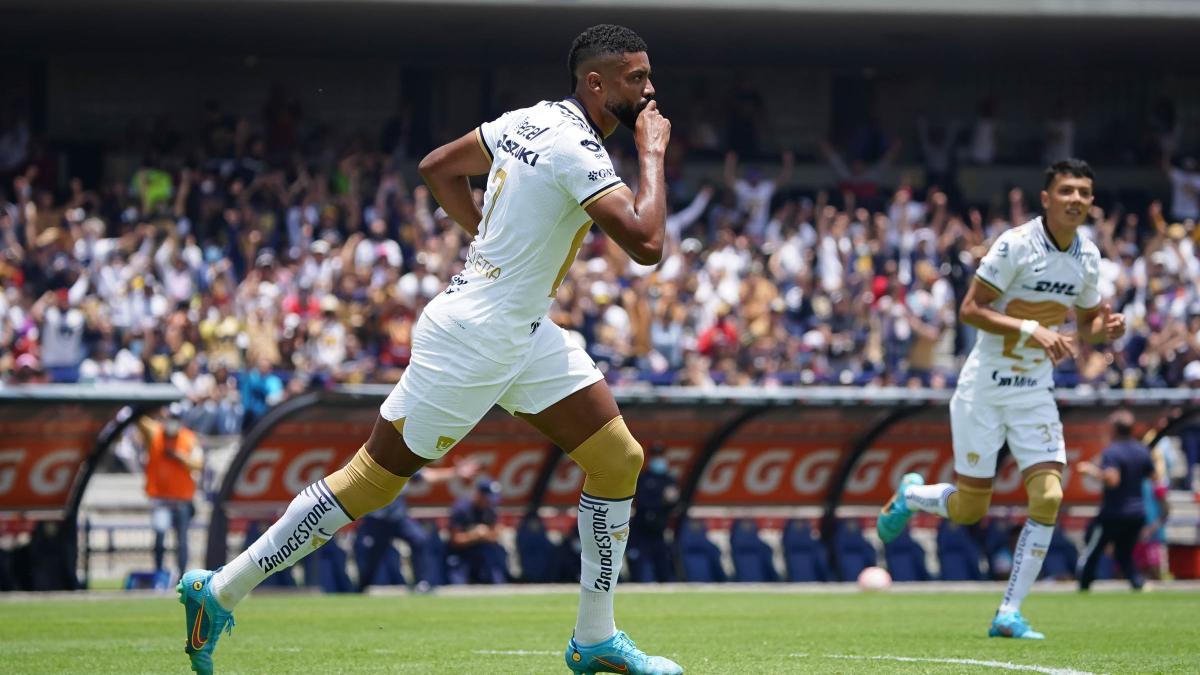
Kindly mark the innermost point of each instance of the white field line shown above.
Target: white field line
(514, 652)
(1002, 665)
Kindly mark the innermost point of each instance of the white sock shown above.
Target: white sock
(603, 533)
(1027, 563)
(310, 520)
(929, 498)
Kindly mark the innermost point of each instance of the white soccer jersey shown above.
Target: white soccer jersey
(1035, 281)
(548, 165)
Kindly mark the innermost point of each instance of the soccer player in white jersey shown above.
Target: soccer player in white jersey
(486, 341)
(1025, 285)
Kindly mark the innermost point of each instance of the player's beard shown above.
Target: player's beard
(627, 113)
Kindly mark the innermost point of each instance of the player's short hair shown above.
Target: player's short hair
(1068, 167)
(602, 40)
(1122, 423)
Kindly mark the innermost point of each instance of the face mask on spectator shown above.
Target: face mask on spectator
(658, 465)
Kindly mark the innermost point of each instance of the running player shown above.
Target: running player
(1022, 291)
(486, 341)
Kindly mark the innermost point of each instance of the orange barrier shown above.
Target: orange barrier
(807, 447)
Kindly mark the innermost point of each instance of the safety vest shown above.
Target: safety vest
(166, 476)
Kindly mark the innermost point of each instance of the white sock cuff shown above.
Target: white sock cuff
(929, 498)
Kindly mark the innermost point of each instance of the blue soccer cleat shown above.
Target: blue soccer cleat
(895, 514)
(205, 619)
(1013, 625)
(617, 654)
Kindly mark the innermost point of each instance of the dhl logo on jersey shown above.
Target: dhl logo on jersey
(1059, 287)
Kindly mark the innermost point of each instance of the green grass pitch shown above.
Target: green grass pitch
(723, 632)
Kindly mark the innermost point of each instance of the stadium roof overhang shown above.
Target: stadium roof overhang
(851, 33)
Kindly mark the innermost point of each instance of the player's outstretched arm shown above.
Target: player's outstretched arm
(446, 171)
(636, 224)
(977, 311)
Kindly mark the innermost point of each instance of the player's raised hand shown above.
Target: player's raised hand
(653, 131)
(1058, 347)
(1114, 324)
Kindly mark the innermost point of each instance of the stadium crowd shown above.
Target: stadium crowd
(247, 262)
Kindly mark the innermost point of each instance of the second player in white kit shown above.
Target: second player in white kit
(1033, 276)
(1004, 389)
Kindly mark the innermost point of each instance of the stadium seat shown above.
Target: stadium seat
(535, 551)
(854, 552)
(326, 568)
(805, 557)
(1061, 558)
(148, 580)
(388, 572)
(566, 558)
(997, 546)
(958, 554)
(753, 559)
(700, 557)
(436, 555)
(906, 559)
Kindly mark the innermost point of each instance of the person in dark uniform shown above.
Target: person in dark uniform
(475, 553)
(393, 521)
(657, 495)
(1124, 464)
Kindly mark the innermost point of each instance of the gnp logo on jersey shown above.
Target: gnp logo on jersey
(1060, 287)
(600, 174)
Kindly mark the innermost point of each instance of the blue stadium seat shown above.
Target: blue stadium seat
(388, 572)
(148, 580)
(535, 551)
(436, 556)
(753, 559)
(566, 558)
(854, 552)
(906, 559)
(997, 546)
(1061, 558)
(326, 567)
(805, 557)
(958, 554)
(701, 558)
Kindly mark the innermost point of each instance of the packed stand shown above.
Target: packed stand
(251, 264)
